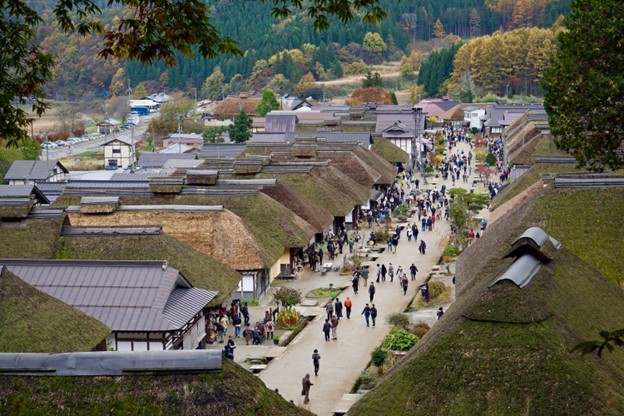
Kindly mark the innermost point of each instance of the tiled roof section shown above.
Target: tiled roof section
(28, 191)
(139, 175)
(385, 120)
(184, 303)
(35, 170)
(124, 295)
(221, 151)
(112, 363)
(264, 137)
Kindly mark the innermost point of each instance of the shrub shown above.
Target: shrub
(491, 159)
(288, 296)
(401, 210)
(382, 235)
(287, 318)
(450, 252)
(420, 329)
(398, 319)
(378, 358)
(399, 340)
(480, 154)
(436, 289)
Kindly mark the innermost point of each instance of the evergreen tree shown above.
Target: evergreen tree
(584, 84)
(240, 131)
(268, 103)
(213, 86)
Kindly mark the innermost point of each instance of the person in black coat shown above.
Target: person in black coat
(338, 308)
(326, 329)
(373, 313)
(371, 291)
(355, 283)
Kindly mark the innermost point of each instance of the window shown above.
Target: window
(116, 151)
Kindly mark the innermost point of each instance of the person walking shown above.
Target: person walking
(440, 313)
(338, 308)
(329, 309)
(391, 272)
(316, 360)
(245, 312)
(306, 384)
(237, 322)
(378, 273)
(371, 292)
(404, 283)
(326, 329)
(373, 314)
(384, 271)
(334, 327)
(270, 327)
(423, 247)
(355, 283)
(365, 273)
(366, 312)
(348, 305)
(413, 270)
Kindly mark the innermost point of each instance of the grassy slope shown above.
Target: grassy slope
(471, 367)
(34, 239)
(32, 321)
(201, 270)
(234, 391)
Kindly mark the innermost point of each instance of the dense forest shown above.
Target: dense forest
(264, 39)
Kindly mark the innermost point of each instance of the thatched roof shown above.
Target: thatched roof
(386, 169)
(307, 209)
(204, 231)
(454, 114)
(34, 238)
(386, 149)
(232, 391)
(316, 189)
(231, 106)
(197, 267)
(32, 321)
(521, 354)
(352, 166)
(347, 186)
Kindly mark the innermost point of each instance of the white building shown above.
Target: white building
(118, 153)
(473, 116)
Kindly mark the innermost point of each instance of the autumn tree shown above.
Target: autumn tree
(268, 103)
(213, 85)
(151, 30)
(584, 85)
(416, 93)
(374, 46)
(118, 83)
(306, 83)
(139, 91)
(475, 23)
(438, 30)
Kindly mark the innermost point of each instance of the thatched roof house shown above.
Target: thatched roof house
(231, 106)
(389, 151)
(33, 321)
(509, 345)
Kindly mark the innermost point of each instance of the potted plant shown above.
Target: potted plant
(276, 339)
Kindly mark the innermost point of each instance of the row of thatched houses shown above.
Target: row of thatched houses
(170, 245)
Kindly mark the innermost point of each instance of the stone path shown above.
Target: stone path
(343, 360)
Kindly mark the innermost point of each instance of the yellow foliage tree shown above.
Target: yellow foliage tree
(438, 29)
(307, 82)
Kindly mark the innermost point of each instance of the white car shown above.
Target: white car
(60, 143)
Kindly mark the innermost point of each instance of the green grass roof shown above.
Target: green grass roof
(32, 321)
(347, 186)
(505, 350)
(201, 270)
(393, 154)
(233, 391)
(386, 169)
(34, 238)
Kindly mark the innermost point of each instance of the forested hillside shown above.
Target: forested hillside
(259, 34)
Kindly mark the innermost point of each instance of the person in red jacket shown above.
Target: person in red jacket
(348, 304)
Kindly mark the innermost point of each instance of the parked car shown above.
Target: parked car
(60, 143)
(49, 145)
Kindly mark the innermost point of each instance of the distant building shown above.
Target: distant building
(26, 171)
(190, 139)
(108, 126)
(118, 153)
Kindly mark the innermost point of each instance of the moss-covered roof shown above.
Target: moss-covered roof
(34, 238)
(233, 391)
(347, 186)
(32, 321)
(502, 350)
(386, 169)
(393, 154)
(198, 268)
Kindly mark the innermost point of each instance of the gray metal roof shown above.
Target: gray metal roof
(264, 137)
(120, 139)
(111, 363)
(184, 303)
(363, 139)
(28, 191)
(280, 123)
(45, 212)
(90, 200)
(183, 163)
(521, 271)
(221, 151)
(138, 175)
(246, 182)
(158, 160)
(111, 231)
(386, 120)
(35, 170)
(124, 295)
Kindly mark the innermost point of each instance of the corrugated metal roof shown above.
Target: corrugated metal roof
(521, 271)
(221, 151)
(182, 163)
(538, 236)
(174, 208)
(29, 191)
(113, 230)
(182, 302)
(245, 182)
(280, 123)
(111, 363)
(268, 138)
(124, 295)
(138, 175)
(88, 200)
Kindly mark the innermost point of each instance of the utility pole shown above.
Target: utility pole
(47, 146)
(132, 153)
(179, 133)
